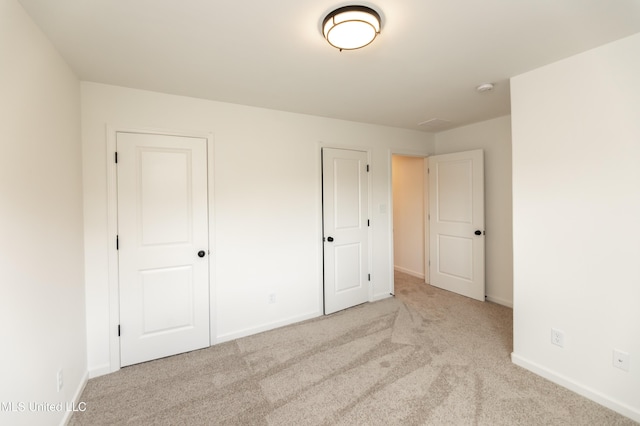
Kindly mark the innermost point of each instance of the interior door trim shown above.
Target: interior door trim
(112, 227)
(406, 153)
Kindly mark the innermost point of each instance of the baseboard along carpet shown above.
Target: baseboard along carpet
(424, 357)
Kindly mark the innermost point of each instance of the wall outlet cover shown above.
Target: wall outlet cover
(557, 337)
(621, 360)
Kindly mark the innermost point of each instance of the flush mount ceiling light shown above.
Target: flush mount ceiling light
(351, 27)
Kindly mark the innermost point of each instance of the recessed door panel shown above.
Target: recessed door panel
(165, 196)
(455, 257)
(348, 267)
(346, 193)
(167, 299)
(455, 191)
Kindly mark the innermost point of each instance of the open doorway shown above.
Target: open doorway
(410, 210)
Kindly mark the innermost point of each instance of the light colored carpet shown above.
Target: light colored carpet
(425, 357)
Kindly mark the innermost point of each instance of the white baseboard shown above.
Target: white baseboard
(265, 327)
(101, 370)
(408, 272)
(106, 368)
(377, 297)
(76, 398)
(500, 301)
(580, 389)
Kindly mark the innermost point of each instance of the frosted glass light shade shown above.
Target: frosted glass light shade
(351, 27)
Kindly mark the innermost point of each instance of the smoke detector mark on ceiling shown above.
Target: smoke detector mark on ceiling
(435, 123)
(485, 87)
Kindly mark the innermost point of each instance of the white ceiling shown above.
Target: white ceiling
(426, 63)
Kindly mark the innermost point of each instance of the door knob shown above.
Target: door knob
(478, 232)
(330, 239)
(201, 253)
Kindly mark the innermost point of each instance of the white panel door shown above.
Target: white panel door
(456, 225)
(345, 215)
(163, 245)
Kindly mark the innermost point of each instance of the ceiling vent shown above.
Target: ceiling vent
(434, 124)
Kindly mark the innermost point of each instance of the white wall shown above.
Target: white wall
(576, 206)
(41, 254)
(267, 230)
(494, 138)
(408, 214)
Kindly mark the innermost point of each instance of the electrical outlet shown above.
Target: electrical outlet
(557, 337)
(60, 383)
(272, 298)
(621, 360)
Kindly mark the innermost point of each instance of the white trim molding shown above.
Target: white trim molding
(576, 387)
(112, 228)
(77, 403)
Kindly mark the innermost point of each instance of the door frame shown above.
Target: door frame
(112, 230)
(321, 217)
(425, 157)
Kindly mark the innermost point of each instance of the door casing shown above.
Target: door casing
(112, 228)
(425, 206)
(425, 157)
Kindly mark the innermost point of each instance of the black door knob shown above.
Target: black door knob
(201, 253)
(330, 239)
(478, 232)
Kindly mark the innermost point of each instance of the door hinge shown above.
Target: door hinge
(118, 330)
(368, 222)
(367, 167)
(369, 277)
(117, 243)
(116, 157)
